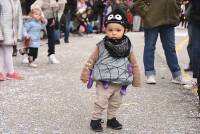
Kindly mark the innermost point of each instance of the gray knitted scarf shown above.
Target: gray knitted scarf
(118, 48)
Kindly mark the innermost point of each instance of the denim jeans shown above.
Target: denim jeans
(67, 25)
(167, 36)
(195, 48)
(57, 34)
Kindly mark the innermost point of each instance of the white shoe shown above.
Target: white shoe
(53, 60)
(33, 65)
(191, 85)
(180, 80)
(25, 60)
(151, 79)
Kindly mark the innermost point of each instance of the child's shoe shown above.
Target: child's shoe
(25, 60)
(15, 76)
(114, 124)
(32, 64)
(96, 125)
(2, 77)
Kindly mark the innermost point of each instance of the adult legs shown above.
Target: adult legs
(189, 48)
(67, 27)
(196, 54)
(151, 36)
(50, 36)
(167, 35)
(195, 48)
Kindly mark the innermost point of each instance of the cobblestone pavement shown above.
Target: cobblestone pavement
(52, 99)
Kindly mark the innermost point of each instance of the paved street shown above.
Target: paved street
(52, 99)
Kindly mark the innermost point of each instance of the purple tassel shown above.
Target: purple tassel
(105, 84)
(90, 81)
(129, 67)
(123, 90)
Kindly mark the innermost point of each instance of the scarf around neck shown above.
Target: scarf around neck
(118, 48)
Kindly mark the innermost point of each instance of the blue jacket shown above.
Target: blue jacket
(32, 28)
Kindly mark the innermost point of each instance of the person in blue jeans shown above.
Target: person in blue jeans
(159, 19)
(195, 22)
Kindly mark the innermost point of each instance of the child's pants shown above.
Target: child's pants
(32, 53)
(109, 99)
(6, 59)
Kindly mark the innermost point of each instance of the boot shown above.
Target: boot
(96, 125)
(53, 60)
(114, 124)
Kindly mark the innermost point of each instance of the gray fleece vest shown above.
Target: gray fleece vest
(111, 69)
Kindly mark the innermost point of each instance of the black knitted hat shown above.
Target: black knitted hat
(116, 16)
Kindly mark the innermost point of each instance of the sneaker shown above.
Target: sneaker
(2, 77)
(114, 124)
(53, 60)
(32, 64)
(15, 76)
(180, 80)
(96, 125)
(25, 60)
(151, 79)
(191, 85)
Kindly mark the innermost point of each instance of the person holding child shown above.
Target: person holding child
(10, 34)
(113, 67)
(31, 31)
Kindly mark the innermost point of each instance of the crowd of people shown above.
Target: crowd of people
(112, 65)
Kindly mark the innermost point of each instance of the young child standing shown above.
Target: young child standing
(31, 31)
(113, 66)
(10, 34)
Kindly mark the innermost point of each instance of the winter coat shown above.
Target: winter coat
(32, 28)
(158, 12)
(50, 8)
(10, 22)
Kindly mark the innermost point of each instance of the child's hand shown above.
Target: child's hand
(28, 37)
(42, 19)
(85, 75)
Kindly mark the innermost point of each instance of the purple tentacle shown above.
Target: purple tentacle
(90, 81)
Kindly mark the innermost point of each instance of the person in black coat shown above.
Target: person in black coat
(195, 23)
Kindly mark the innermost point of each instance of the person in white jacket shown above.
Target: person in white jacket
(50, 9)
(10, 34)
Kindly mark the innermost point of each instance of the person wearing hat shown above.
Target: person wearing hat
(113, 67)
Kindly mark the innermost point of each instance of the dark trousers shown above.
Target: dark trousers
(51, 38)
(198, 85)
(32, 54)
(196, 53)
(189, 47)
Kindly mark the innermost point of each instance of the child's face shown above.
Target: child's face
(36, 14)
(114, 31)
